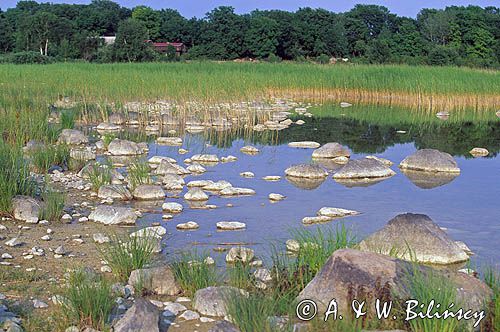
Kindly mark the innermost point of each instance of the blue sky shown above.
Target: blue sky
(198, 8)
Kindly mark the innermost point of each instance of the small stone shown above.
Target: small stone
(190, 225)
(271, 178)
(6, 256)
(100, 238)
(247, 175)
(172, 207)
(66, 218)
(60, 250)
(276, 197)
(39, 304)
(251, 150)
(46, 238)
(230, 225)
(14, 242)
(190, 315)
(106, 269)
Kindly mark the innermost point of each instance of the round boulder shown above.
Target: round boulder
(364, 168)
(306, 171)
(331, 151)
(430, 160)
(148, 192)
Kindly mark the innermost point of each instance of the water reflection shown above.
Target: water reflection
(427, 180)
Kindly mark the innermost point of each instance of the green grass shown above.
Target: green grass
(99, 175)
(138, 173)
(240, 275)
(125, 254)
(68, 119)
(53, 205)
(15, 177)
(43, 157)
(492, 279)
(89, 300)
(192, 273)
(250, 313)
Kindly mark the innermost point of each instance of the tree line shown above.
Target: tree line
(457, 35)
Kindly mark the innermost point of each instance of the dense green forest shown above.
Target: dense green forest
(464, 36)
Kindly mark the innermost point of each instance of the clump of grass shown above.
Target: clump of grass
(99, 175)
(88, 299)
(317, 246)
(68, 119)
(125, 254)
(251, 313)
(44, 157)
(15, 177)
(107, 139)
(138, 173)
(193, 273)
(425, 286)
(53, 205)
(492, 279)
(240, 275)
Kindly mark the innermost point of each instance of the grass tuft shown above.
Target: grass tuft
(43, 157)
(53, 205)
(192, 273)
(138, 173)
(99, 175)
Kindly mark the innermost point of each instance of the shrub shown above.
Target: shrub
(323, 59)
(28, 57)
(88, 299)
(125, 254)
(192, 273)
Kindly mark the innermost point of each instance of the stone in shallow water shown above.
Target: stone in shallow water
(336, 212)
(331, 151)
(315, 220)
(306, 171)
(479, 152)
(304, 145)
(153, 231)
(169, 141)
(205, 158)
(156, 160)
(172, 207)
(251, 150)
(196, 194)
(106, 127)
(364, 168)
(196, 168)
(72, 137)
(190, 225)
(217, 186)
(247, 174)
(276, 197)
(115, 192)
(230, 225)
(233, 191)
(271, 178)
(166, 167)
(415, 236)
(148, 192)
(384, 161)
(430, 160)
(240, 254)
(305, 183)
(119, 147)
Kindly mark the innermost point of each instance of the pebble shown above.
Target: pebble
(190, 315)
(39, 304)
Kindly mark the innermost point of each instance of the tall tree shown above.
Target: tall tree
(130, 44)
(150, 18)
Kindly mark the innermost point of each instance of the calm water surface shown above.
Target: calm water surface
(467, 206)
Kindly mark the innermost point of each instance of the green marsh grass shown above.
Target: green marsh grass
(138, 173)
(52, 205)
(99, 175)
(45, 156)
(68, 118)
(492, 279)
(240, 275)
(15, 177)
(192, 273)
(88, 300)
(125, 254)
(250, 313)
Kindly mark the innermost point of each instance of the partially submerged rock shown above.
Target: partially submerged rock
(240, 254)
(165, 167)
(336, 212)
(276, 197)
(119, 147)
(414, 237)
(190, 225)
(306, 171)
(172, 207)
(364, 168)
(304, 145)
(195, 194)
(114, 192)
(230, 225)
(72, 137)
(316, 220)
(479, 152)
(148, 192)
(250, 150)
(205, 158)
(234, 191)
(430, 160)
(169, 141)
(113, 215)
(331, 151)
(106, 127)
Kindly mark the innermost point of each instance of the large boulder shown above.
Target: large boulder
(306, 171)
(26, 209)
(430, 160)
(364, 168)
(113, 215)
(224, 326)
(331, 151)
(143, 316)
(165, 167)
(115, 192)
(158, 280)
(211, 301)
(72, 137)
(352, 274)
(414, 237)
(120, 147)
(148, 192)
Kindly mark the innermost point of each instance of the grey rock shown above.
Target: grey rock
(119, 147)
(26, 209)
(415, 236)
(240, 254)
(141, 317)
(304, 145)
(148, 192)
(430, 160)
(115, 192)
(306, 171)
(172, 207)
(195, 194)
(72, 137)
(113, 215)
(211, 301)
(159, 280)
(234, 191)
(364, 168)
(224, 326)
(166, 167)
(230, 225)
(331, 151)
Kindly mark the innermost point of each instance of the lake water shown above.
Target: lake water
(467, 206)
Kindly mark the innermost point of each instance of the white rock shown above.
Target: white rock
(230, 225)
(172, 207)
(276, 197)
(190, 225)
